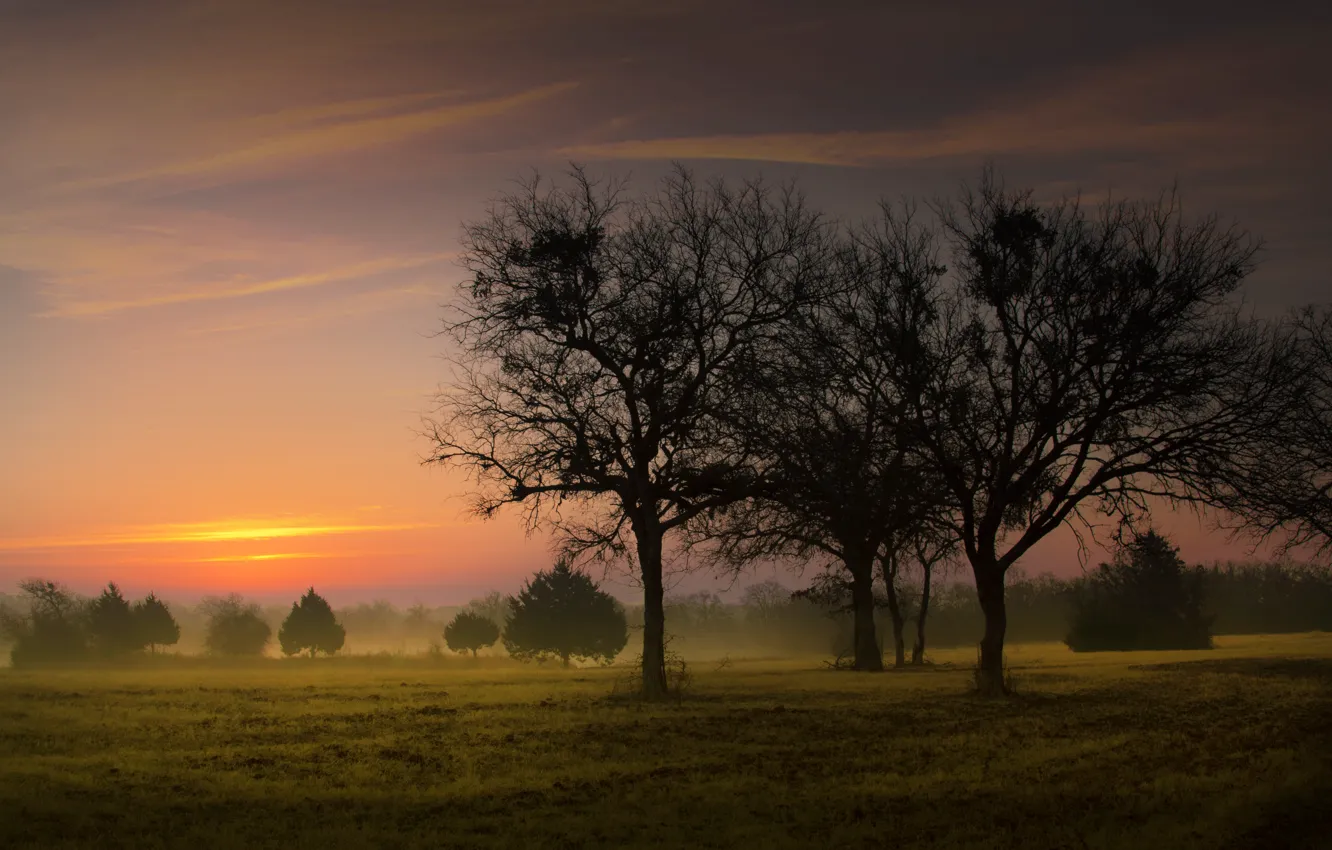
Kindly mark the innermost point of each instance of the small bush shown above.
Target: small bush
(469, 631)
(1146, 598)
(311, 625)
(235, 627)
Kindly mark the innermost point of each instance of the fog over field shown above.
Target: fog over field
(616, 423)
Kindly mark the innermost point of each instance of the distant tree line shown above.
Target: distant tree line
(49, 623)
(563, 615)
(57, 625)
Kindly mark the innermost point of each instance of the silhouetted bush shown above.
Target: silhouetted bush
(235, 627)
(469, 631)
(311, 625)
(1146, 598)
(111, 625)
(561, 613)
(154, 624)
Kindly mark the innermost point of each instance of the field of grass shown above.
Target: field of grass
(1230, 748)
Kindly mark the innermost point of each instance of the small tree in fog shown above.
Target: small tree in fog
(494, 606)
(111, 624)
(469, 631)
(312, 626)
(154, 624)
(932, 555)
(1146, 598)
(235, 627)
(766, 601)
(561, 613)
(53, 628)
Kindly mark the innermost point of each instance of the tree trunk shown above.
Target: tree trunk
(654, 610)
(868, 654)
(918, 651)
(889, 566)
(990, 593)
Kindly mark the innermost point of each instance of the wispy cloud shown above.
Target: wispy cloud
(242, 289)
(1126, 107)
(359, 131)
(207, 532)
(273, 556)
(356, 305)
(984, 136)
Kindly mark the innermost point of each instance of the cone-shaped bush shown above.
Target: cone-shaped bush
(561, 613)
(312, 626)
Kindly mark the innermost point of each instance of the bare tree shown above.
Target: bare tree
(599, 337)
(932, 554)
(1084, 360)
(1281, 488)
(840, 477)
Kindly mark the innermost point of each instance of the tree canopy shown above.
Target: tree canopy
(154, 624)
(469, 631)
(111, 624)
(1084, 361)
(311, 625)
(235, 627)
(601, 339)
(561, 613)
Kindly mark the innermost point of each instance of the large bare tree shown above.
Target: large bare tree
(599, 336)
(1084, 360)
(839, 476)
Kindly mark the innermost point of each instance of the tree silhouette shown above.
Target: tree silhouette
(1146, 598)
(839, 475)
(111, 624)
(312, 626)
(1281, 488)
(53, 628)
(235, 627)
(469, 631)
(601, 339)
(933, 554)
(561, 613)
(154, 624)
(1083, 360)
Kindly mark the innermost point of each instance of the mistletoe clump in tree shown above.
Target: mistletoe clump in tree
(470, 631)
(561, 613)
(312, 626)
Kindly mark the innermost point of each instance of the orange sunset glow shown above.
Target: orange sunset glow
(228, 231)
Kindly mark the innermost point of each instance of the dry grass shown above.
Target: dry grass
(1224, 749)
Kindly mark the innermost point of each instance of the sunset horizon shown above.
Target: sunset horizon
(228, 233)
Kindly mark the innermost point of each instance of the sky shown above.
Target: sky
(228, 227)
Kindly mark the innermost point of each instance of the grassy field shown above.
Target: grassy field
(1224, 749)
